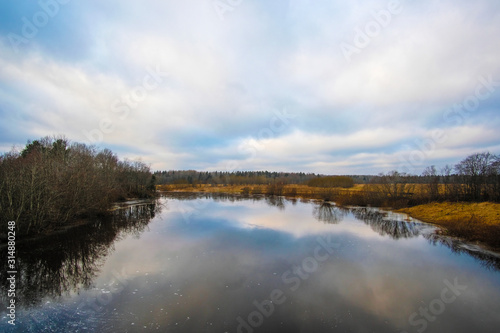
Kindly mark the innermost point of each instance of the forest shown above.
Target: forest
(192, 177)
(52, 182)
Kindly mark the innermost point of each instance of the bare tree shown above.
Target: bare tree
(475, 172)
(52, 181)
(395, 185)
(450, 188)
(432, 182)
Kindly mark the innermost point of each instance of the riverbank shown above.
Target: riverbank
(76, 222)
(473, 222)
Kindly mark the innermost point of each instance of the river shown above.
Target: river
(220, 263)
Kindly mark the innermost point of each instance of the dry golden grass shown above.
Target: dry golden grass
(445, 212)
(472, 221)
(204, 188)
(301, 191)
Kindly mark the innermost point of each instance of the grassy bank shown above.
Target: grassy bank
(475, 222)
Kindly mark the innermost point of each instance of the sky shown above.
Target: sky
(323, 86)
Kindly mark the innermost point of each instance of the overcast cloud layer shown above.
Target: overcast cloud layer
(325, 86)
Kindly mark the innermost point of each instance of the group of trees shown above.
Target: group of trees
(480, 176)
(475, 178)
(52, 181)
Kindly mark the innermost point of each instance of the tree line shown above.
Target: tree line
(192, 177)
(52, 181)
(475, 178)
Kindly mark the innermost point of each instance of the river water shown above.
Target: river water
(218, 263)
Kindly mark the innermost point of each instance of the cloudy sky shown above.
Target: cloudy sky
(325, 86)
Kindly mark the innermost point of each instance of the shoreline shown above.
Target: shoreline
(473, 222)
(75, 223)
(476, 223)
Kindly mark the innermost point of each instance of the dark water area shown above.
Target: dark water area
(220, 263)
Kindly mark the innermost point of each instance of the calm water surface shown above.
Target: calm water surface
(230, 264)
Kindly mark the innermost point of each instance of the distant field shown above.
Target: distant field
(302, 190)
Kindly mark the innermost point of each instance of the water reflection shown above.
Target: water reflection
(276, 201)
(489, 260)
(328, 213)
(273, 201)
(63, 263)
(234, 252)
(393, 225)
(387, 226)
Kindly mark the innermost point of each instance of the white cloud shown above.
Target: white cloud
(226, 78)
(420, 56)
